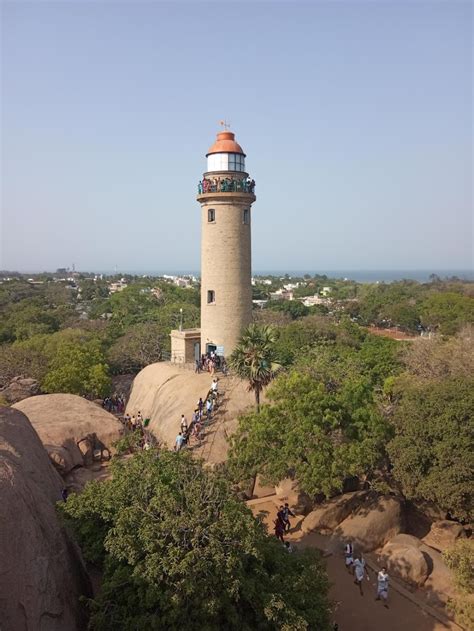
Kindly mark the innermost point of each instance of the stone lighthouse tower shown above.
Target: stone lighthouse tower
(226, 194)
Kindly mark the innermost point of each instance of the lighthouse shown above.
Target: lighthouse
(226, 194)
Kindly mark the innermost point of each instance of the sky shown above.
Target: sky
(356, 118)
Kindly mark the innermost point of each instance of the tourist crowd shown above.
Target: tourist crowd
(226, 185)
(210, 363)
(201, 416)
(114, 404)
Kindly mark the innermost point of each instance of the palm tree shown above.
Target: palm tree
(254, 358)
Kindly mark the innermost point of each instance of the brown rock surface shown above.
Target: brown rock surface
(163, 391)
(61, 420)
(443, 534)
(20, 388)
(329, 515)
(407, 540)
(374, 522)
(405, 561)
(42, 575)
(288, 491)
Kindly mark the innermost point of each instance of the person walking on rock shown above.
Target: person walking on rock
(184, 425)
(179, 442)
(279, 529)
(359, 572)
(349, 556)
(382, 586)
(209, 408)
(286, 516)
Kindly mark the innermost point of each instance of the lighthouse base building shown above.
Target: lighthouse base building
(226, 194)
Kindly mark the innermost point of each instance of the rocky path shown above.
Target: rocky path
(352, 611)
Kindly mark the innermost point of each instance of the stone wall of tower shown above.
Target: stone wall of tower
(225, 268)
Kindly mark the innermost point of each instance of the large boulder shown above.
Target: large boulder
(63, 420)
(406, 540)
(444, 534)
(42, 575)
(288, 491)
(20, 388)
(329, 515)
(163, 391)
(406, 561)
(374, 522)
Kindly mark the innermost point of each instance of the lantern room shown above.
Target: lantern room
(225, 154)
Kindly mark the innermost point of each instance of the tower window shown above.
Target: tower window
(211, 297)
(246, 217)
(211, 215)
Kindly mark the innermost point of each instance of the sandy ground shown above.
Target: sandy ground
(352, 611)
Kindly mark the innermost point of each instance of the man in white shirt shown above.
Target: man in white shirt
(348, 556)
(359, 572)
(382, 586)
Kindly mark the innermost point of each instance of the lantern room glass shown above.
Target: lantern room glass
(226, 162)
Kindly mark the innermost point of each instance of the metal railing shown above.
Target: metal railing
(226, 185)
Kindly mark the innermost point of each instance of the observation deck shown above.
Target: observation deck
(226, 185)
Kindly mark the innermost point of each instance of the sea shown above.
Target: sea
(360, 276)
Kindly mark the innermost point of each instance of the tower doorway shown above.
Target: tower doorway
(210, 348)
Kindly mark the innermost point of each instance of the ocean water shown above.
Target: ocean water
(360, 276)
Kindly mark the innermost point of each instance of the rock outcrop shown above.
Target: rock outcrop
(20, 388)
(402, 556)
(444, 534)
(42, 575)
(289, 491)
(63, 420)
(164, 391)
(374, 522)
(327, 516)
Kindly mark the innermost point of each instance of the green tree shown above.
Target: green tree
(317, 430)
(78, 368)
(294, 308)
(296, 338)
(141, 345)
(179, 551)
(16, 361)
(460, 558)
(253, 359)
(447, 311)
(432, 450)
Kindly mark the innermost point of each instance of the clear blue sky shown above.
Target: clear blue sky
(356, 118)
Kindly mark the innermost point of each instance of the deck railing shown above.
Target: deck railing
(226, 185)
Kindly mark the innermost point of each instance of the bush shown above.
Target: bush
(460, 559)
(432, 449)
(180, 551)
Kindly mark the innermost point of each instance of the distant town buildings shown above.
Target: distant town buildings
(118, 285)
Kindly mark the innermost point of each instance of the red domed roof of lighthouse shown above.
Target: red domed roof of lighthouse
(225, 143)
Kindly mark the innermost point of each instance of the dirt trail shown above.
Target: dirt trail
(354, 612)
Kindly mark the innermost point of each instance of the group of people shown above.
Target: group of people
(226, 185)
(201, 415)
(355, 564)
(282, 522)
(210, 363)
(136, 423)
(114, 404)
